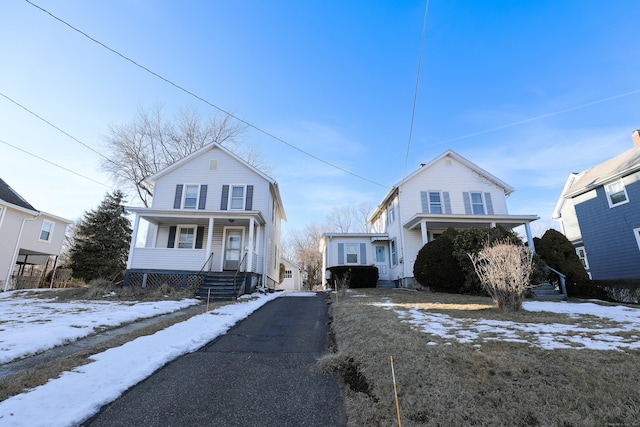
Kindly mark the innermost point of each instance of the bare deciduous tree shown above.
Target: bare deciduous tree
(350, 218)
(504, 269)
(150, 142)
(303, 247)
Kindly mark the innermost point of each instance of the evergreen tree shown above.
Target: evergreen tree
(558, 252)
(102, 241)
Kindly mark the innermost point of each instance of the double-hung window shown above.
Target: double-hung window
(288, 274)
(394, 252)
(352, 253)
(46, 231)
(186, 236)
(477, 204)
(616, 193)
(236, 197)
(191, 196)
(435, 202)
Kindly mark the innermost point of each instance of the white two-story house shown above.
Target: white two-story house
(449, 191)
(30, 241)
(211, 212)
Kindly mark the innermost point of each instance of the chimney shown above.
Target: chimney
(636, 138)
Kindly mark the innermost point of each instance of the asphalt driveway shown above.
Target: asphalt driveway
(261, 373)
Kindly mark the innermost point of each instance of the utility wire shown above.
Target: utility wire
(183, 89)
(55, 127)
(415, 91)
(55, 164)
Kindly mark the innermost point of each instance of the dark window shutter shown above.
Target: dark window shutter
(202, 203)
(248, 204)
(363, 253)
(172, 237)
(225, 198)
(424, 198)
(487, 200)
(177, 201)
(467, 203)
(340, 253)
(199, 237)
(447, 202)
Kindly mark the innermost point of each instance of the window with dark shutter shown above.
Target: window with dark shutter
(202, 203)
(172, 237)
(177, 201)
(224, 200)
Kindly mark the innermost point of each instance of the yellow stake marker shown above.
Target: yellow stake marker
(395, 391)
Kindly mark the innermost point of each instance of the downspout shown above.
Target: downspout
(402, 258)
(16, 251)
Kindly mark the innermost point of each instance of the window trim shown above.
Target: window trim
(636, 233)
(585, 261)
(184, 196)
(231, 198)
(348, 245)
(393, 252)
(609, 193)
(179, 229)
(53, 225)
(440, 202)
(483, 203)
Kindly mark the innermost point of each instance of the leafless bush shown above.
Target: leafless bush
(504, 269)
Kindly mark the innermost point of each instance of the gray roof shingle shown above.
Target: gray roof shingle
(9, 195)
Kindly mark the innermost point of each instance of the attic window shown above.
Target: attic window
(616, 193)
(213, 164)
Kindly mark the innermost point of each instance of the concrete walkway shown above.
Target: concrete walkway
(261, 373)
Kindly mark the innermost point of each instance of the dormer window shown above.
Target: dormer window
(616, 193)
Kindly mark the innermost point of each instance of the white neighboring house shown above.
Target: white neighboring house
(211, 211)
(30, 240)
(292, 276)
(449, 191)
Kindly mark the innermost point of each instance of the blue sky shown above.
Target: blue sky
(529, 91)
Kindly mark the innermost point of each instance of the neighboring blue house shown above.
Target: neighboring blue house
(599, 210)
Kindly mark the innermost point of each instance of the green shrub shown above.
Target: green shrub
(558, 252)
(436, 267)
(361, 276)
(623, 290)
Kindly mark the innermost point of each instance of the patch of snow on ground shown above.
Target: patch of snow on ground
(547, 336)
(78, 394)
(32, 325)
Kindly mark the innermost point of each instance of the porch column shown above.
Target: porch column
(527, 229)
(249, 266)
(134, 238)
(425, 236)
(209, 243)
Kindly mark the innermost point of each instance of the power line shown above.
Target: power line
(55, 164)
(198, 97)
(54, 126)
(415, 91)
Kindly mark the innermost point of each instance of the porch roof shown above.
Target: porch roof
(200, 217)
(468, 221)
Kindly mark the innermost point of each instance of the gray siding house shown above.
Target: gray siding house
(599, 210)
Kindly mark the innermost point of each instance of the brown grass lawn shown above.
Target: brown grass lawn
(443, 382)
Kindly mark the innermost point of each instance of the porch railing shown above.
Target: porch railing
(561, 278)
(208, 262)
(235, 286)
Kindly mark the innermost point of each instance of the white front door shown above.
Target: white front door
(232, 249)
(381, 262)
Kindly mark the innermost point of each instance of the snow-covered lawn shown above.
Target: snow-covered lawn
(618, 328)
(33, 325)
(78, 394)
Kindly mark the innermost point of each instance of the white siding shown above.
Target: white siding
(9, 230)
(229, 172)
(31, 236)
(452, 176)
